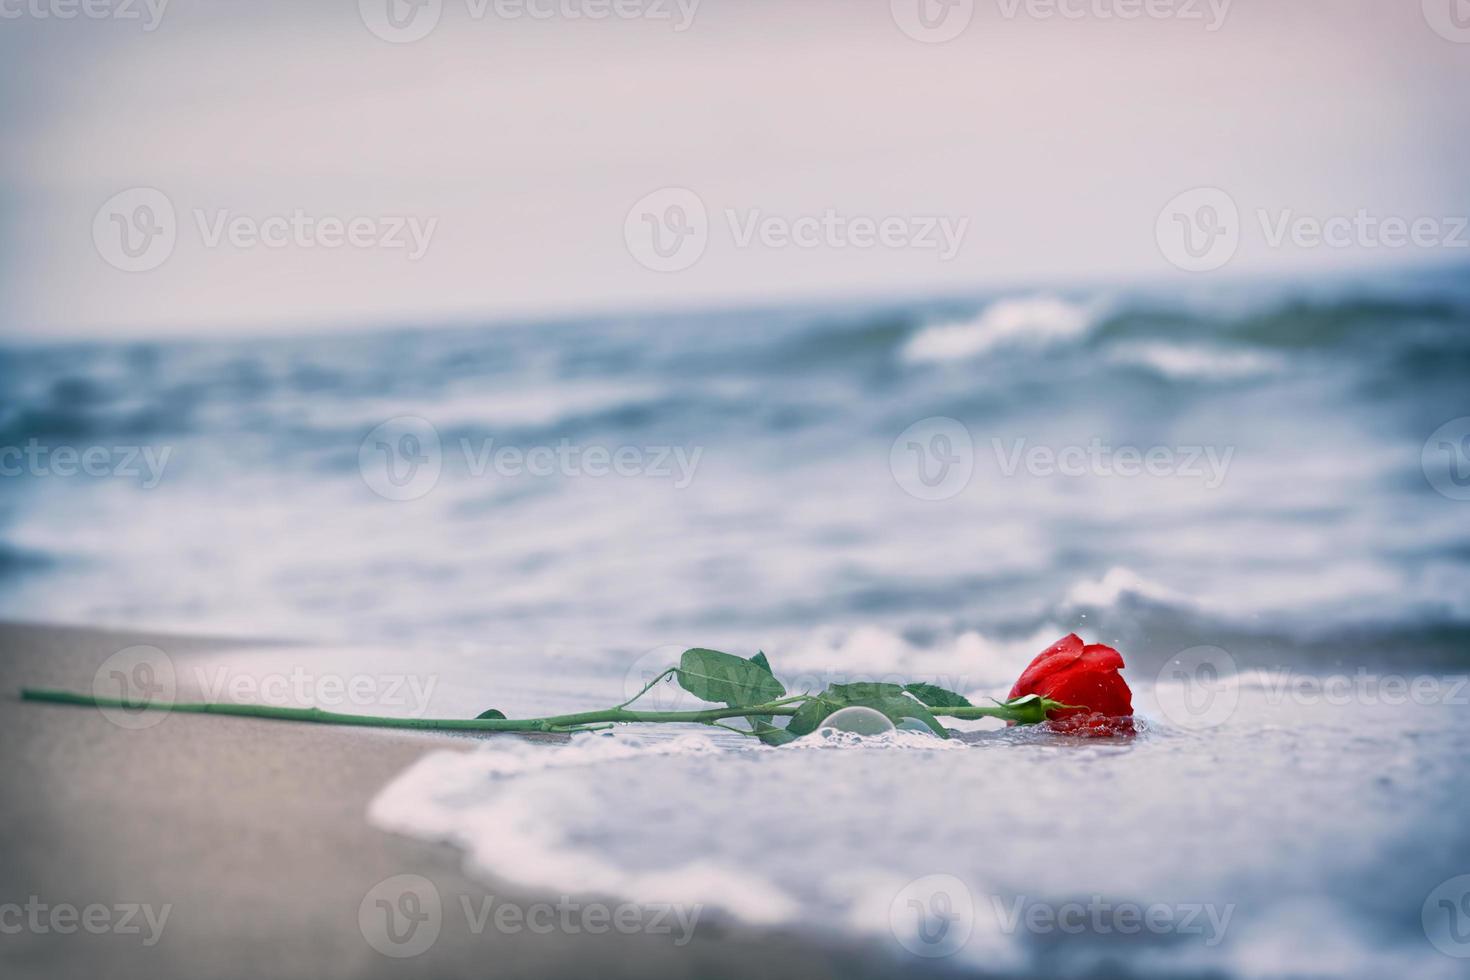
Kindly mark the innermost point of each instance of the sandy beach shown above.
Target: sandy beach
(227, 847)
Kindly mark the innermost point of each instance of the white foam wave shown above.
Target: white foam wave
(452, 796)
(831, 738)
(522, 405)
(1184, 362)
(1351, 588)
(1118, 583)
(463, 798)
(1037, 321)
(834, 836)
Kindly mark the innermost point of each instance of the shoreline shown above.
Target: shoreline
(253, 834)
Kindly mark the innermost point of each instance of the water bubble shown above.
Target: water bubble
(915, 725)
(858, 721)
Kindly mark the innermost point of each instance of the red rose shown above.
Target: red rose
(1085, 677)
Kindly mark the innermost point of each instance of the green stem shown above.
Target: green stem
(649, 686)
(553, 723)
(1025, 714)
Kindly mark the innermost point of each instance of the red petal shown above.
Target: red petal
(1100, 691)
(1099, 656)
(1049, 661)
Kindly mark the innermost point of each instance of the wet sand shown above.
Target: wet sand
(252, 833)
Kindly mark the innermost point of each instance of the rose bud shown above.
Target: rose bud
(1086, 679)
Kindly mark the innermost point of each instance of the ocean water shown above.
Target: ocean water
(1258, 492)
(1286, 842)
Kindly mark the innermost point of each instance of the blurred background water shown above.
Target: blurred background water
(766, 498)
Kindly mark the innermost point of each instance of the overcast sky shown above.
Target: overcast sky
(516, 148)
